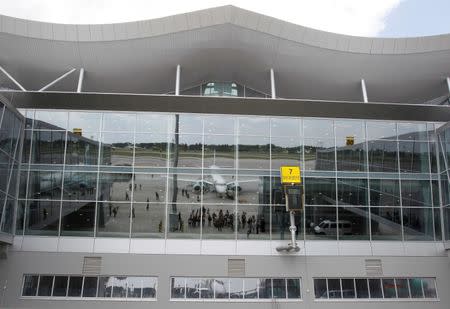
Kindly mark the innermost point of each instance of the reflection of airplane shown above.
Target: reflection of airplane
(216, 183)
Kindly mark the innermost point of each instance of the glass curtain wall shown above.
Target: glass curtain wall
(118, 174)
(443, 140)
(11, 132)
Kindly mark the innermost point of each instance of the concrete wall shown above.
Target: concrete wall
(164, 266)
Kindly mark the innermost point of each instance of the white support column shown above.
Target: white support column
(364, 91)
(12, 79)
(272, 84)
(448, 84)
(177, 80)
(80, 80)
(57, 80)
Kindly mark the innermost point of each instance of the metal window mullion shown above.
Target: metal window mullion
(99, 158)
(62, 182)
(438, 163)
(399, 183)
(382, 286)
(25, 212)
(326, 281)
(302, 139)
(133, 183)
(67, 287)
(431, 185)
(53, 286)
(203, 182)
(336, 195)
(236, 132)
(39, 283)
(409, 288)
(395, 285)
(354, 288)
(166, 203)
(270, 171)
(423, 290)
(367, 165)
(82, 286)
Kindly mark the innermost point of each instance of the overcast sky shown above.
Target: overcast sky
(354, 17)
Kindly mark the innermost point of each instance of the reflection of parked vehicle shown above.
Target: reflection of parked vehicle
(328, 227)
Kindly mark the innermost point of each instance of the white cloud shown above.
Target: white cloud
(354, 17)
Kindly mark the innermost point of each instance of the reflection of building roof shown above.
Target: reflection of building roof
(224, 43)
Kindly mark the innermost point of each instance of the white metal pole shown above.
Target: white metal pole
(272, 84)
(12, 79)
(364, 91)
(80, 80)
(448, 84)
(56, 80)
(177, 80)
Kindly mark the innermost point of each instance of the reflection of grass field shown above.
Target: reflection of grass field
(209, 155)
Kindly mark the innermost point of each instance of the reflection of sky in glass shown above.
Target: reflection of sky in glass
(380, 129)
(318, 128)
(58, 119)
(153, 123)
(119, 122)
(219, 124)
(87, 122)
(286, 127)
(254, 126)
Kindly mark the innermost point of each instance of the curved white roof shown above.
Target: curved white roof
(224, 43)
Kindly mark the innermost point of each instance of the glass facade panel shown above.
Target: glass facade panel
(82, 148)
(383, 156)
(194, 166)
(48, 147)
(236, 288)
(319, 154)
(418, 224)
(254, 152)
(117, 149)
(386, 223)
(77, 219)
(60, 286)
(42, 218)
(352, 192)
(353, 223)
(320, 191)
(321, 223)
(384, 192)
(119, 224)
(279, 288)
(414, 157)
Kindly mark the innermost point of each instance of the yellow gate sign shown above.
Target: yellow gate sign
(290, 174)
(349, 140)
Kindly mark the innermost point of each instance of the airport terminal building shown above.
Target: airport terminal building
(140, 165)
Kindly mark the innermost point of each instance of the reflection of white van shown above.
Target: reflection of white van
(327, 227)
